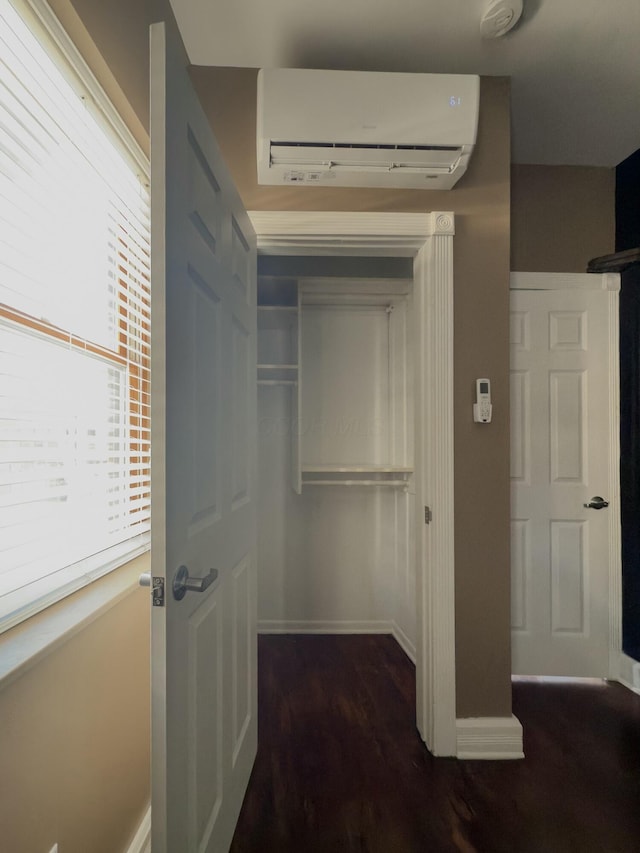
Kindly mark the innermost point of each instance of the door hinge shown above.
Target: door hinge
(428, 515)
(158, 592)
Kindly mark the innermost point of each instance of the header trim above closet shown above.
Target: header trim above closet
(345, 233)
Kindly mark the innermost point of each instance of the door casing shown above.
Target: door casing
(428, 238)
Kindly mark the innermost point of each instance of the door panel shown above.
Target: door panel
(520, 550)
(241, 656)
(562, 432)
(205, 744)
(204, 646)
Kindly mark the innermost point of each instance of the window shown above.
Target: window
(74, 322)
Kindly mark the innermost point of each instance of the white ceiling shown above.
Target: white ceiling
(574, 64)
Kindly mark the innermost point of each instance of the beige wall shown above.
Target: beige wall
(561, 217)
(74, 739)
(91, 24)
(481, 269)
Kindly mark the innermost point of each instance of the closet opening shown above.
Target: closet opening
(336, 510)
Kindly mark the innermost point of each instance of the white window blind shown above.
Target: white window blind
(74, 329)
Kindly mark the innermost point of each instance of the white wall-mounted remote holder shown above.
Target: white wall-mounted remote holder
(482, 407)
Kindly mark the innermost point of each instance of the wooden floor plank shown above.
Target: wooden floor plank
(340, 765)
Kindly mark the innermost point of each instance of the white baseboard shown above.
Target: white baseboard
(142, 839)
(489, 738)
(275, 626)
(404, 642)
(629, 673)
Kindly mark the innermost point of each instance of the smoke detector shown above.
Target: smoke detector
(500, 16)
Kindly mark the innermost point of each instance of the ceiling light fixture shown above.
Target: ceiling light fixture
(499, 17)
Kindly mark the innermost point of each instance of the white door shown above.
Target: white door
(204, 647)
(563, 454)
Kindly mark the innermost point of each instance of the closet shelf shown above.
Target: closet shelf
(356, 475)
(393, 483)
(277, 374)
(277, 367)
(356, 469)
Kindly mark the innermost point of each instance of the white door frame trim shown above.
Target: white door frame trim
(428, 237)
(609, 282)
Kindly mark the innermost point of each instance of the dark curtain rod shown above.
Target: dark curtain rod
(615, 263)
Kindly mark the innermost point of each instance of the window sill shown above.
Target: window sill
(23, 646)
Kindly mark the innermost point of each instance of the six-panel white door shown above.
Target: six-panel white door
(204, 646)
(563, 361)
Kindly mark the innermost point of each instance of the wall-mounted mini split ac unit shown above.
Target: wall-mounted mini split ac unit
(365, 129)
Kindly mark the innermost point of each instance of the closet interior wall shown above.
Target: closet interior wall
(335, 446)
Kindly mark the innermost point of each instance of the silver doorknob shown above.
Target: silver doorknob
(597, 503)
(145, 579)
(182, 583)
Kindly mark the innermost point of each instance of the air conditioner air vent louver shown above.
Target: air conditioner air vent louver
(378, 147)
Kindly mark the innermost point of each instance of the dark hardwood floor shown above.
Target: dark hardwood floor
(340, 766)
